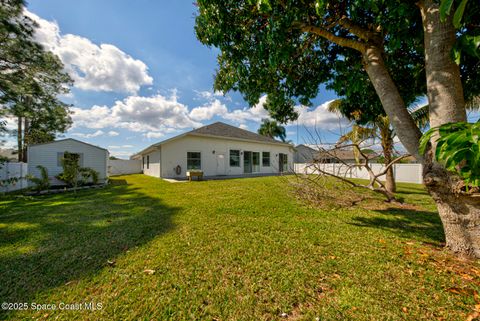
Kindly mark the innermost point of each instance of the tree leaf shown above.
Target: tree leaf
(457, 17)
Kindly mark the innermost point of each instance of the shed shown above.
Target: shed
(49, 155)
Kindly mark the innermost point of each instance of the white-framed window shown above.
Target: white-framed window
(266, 159)
(148, 161)
(234, 158)
(194, 160)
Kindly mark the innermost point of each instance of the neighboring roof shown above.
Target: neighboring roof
(342, 154)
(75, 140)
(306, 148)
(220, 130)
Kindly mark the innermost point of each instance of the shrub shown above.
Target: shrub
(42, 183)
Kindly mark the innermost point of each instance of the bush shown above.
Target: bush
(42, 183)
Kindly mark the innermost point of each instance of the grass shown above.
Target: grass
(242, 249)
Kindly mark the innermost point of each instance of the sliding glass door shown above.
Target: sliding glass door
(247, 162)
(251, 162)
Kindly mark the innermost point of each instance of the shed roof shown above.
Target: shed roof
(75, 140)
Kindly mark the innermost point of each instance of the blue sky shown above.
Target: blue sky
(141, 75)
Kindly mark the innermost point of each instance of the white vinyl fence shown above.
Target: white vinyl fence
(404, 173)
(13, 170)
(124, 167)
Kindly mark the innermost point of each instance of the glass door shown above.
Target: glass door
(247, 162)
(256, 162)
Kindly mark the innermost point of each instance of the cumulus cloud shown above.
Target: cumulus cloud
(255, 113)
(95, 67)
(208, 111)
(155, 116)
(318, 117)
(95, 134)
(120, 146)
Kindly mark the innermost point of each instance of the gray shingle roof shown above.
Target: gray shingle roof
(223, 130)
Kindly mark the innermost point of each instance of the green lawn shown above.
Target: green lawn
(241, 249)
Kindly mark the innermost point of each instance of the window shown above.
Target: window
(143, 162)
(234, 158)
(266, 159)
(148, 161)
(194, 160)
(61, 155)
(255, 162)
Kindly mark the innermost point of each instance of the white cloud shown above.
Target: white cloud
(153, 113)
(255, 113)
(243, 126)
(151, 135)
(208, 111)
(120, 146)
(318, 117)
(155, 116)
(95, 134)
(91, 135)
(101, 67)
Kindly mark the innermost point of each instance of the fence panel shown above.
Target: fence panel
(124, 167)
(13, 170)
(404, 173)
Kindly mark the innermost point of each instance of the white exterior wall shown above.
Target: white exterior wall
(175, 153)
(153, 168)
(46, 155)
(124, 166)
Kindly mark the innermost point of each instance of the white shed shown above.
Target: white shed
(49, 155)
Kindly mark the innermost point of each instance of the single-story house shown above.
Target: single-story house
(341, 156)
(304, 154)
(217, 150)
(49, 155)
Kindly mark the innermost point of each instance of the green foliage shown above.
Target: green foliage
(31, 79)
(71, 169)
(265, 52)
(75, 175)
(86, 173)
(272, 129)
(458, 148)
(42, 182)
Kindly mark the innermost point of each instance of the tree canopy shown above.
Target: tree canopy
(31, 79)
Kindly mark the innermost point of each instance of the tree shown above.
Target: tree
(30, 80)
(287, 49)
(379, 127)
(272, 129)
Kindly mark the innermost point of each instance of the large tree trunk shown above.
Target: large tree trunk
(392, 102)
(460, 213)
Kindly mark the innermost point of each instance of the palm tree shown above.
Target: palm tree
(421, 114)
(272, 129)
(379, 127)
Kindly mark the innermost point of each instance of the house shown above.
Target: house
(342, 156)
(49, 155)
(304, 154)
(217, 150)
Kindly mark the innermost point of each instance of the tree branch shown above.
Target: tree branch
(343, 42)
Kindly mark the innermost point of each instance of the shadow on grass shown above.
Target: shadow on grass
(407, 223)
(48, 241)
